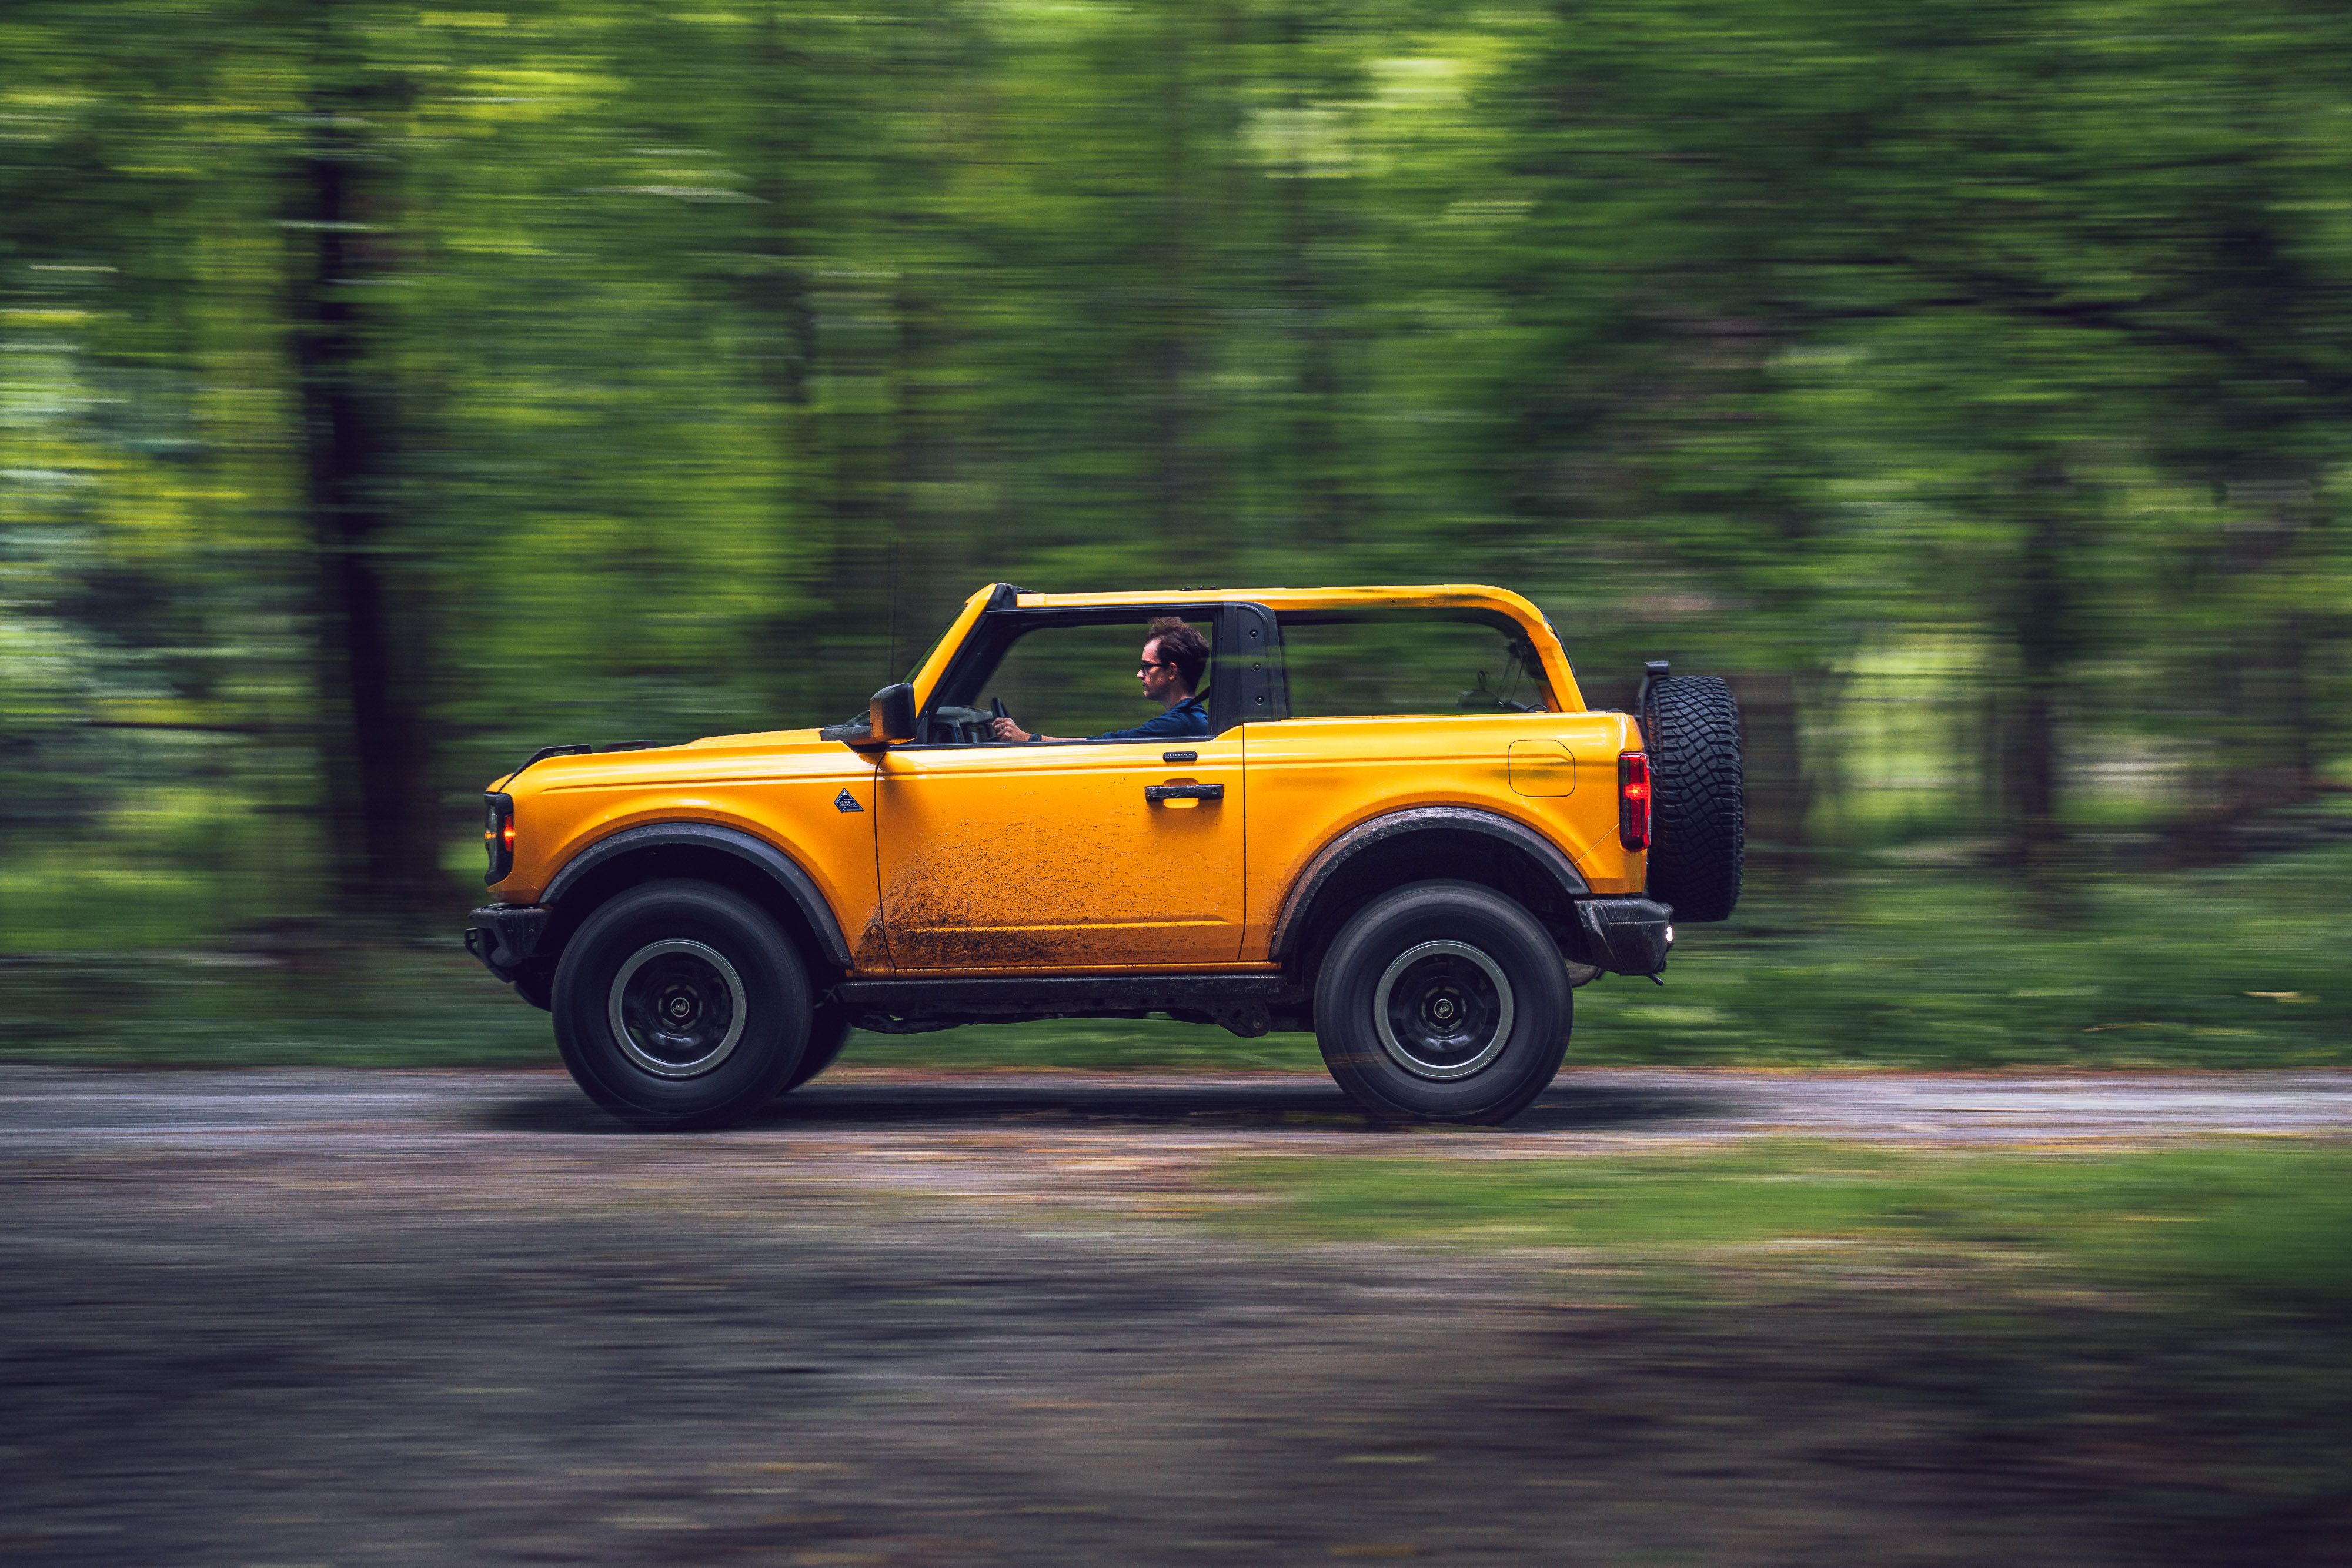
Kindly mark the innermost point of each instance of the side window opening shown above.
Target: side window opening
(1421, 663)
(1056, 678)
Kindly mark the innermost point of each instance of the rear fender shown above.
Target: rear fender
(1556, 875)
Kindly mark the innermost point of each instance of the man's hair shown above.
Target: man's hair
(1185, 647)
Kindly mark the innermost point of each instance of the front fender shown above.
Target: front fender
(780, 867)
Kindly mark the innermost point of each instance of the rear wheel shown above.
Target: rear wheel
(679, 1004)
(1444, 1001)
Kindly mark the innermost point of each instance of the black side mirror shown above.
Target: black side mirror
(890, 714)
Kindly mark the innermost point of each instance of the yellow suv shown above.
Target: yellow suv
(1387, 817)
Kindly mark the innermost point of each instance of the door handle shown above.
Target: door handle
(1155, 793)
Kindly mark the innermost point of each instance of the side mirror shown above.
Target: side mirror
(890, 714)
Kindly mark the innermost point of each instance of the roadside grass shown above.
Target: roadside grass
(2233, 968)
(2243, 1222)
(376, 1007)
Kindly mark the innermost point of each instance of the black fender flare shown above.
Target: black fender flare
(780, 867)
(1418, 820)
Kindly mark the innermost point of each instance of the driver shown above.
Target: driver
(1175, 655)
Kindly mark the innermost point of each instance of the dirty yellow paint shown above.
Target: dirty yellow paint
(1020, 856)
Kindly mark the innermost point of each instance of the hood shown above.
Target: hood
(769, 753)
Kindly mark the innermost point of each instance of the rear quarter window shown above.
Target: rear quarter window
(1416, 663)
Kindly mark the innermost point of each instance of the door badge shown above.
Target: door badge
(845, 801)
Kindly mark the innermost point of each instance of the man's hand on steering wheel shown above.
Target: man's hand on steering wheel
(1002, 726)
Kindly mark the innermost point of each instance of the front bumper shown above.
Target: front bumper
(1626, 935)
(504, 937)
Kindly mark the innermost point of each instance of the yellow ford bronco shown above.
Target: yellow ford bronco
(1381, 814)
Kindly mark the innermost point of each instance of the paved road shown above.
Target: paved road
(460, 1317)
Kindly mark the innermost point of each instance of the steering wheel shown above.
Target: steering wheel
(970, 725)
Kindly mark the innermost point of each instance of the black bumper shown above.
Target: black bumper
(505, 936)
(1626, 935)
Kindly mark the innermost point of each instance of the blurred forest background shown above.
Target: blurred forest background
(388, 391)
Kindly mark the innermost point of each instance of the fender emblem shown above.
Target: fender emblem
(845, 801)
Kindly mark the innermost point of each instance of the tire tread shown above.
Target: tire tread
(1698, 838)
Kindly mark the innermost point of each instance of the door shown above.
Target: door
(1055, 857)
(1125, 854)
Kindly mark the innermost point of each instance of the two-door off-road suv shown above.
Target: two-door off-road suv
(1401, 830)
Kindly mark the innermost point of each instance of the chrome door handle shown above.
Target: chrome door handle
(1155, 793)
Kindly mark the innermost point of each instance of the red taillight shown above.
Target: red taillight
(1633, 799)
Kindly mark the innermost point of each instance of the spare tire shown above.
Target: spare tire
(1698, 835)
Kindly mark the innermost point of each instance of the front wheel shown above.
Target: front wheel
(828, 1032)
(680, 1005)
(1443, 1001)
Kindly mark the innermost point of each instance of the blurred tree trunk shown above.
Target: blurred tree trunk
(779, 286)
(1779, 783)
(801, 685)
(2270, 760)
(2042, 634)
(374, 743)
(1316, 472)
(1318, 477)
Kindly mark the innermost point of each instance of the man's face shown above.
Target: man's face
(1161, 681)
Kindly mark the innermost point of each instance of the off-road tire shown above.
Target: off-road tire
(1511, 984)
(1699, 833)
(741, 991)
(828, 1032)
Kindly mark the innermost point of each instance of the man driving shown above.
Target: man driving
(1175, 655)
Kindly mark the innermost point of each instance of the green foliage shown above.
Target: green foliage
(1969, 383)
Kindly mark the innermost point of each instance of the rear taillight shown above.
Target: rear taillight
(1633, 799)
(498, 836)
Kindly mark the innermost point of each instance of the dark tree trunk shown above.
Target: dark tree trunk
(1779, 783)
(779, 288)
(2040, 631)
(373, 739)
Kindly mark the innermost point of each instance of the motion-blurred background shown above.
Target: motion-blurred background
(390, 391)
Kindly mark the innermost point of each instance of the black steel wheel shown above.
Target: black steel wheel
(679, 1004)
(1443, 1001)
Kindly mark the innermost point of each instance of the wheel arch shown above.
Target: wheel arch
(1422, 844)
(706, 851)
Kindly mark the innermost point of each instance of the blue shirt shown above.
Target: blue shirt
(1188, 720)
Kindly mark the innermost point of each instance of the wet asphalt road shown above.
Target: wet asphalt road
(311, 1316)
